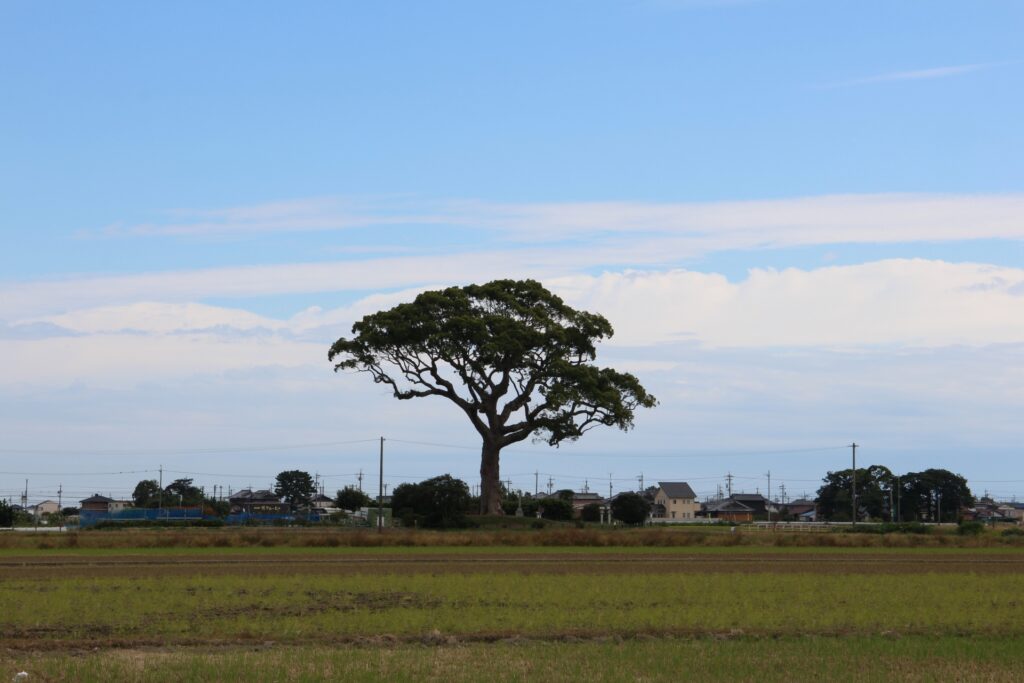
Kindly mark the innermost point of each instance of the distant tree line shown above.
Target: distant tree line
(933, 495)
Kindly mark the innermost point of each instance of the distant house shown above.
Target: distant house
(324, 503)
(800, 510)
(47, 507)
(729, 510)
(262, 502)
(96, 503)
(754, 501)
(675, 500)
(583, 499)
(1014, 511)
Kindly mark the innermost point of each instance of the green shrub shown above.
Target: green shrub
(970, 528)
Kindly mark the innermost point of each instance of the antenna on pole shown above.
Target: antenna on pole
(380, 491)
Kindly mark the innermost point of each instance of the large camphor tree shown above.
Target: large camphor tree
(510, 354)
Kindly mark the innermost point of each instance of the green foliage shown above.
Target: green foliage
(510, 354)
(630, 508)
(591, 512)
(351, 498)
(440, 502)
(555, 509)
(146, 494)
(295, 486)
(6, 514)
(182, 492)
(565, 494)
(970, 528)
(919, 497)
(873, 485)
(933, 492)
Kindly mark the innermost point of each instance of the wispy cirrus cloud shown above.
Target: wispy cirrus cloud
(889, 217)
(548, 240)
(919, 74)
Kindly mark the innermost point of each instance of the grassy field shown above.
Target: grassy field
(509, 612)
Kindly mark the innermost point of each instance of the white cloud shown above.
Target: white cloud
(118, 360)
(921, 74)
(895, 302)
(157, 318)
(560, 239)
(825, 219)
(884, 304)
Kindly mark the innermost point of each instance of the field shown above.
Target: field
(120, 606)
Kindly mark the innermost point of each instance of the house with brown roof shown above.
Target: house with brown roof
(96, 503)
(729, 510)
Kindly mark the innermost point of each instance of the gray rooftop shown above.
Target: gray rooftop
(677, 489)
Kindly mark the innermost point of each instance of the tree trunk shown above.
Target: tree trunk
(490, 481)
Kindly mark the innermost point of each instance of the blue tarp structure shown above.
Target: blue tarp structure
(257, 518)
(183, 515)
(88, 518)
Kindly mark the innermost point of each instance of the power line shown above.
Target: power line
(178, 451)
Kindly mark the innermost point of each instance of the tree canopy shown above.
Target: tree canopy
(350, 498)
(512, 356)
(630, 508)
(439, 502)
(933, 495)
(295, 486)
(873, 486)
(6, 514)
(915, 496)
(146, 494)
(182, 491)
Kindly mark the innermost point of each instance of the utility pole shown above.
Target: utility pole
(380, 491)
(160, 496)
(782, 493)
(586, 486)
(60, 506)
(551, 485)
(536, 483)
(899, 513)
(641, 478)
(609, 486)
(360, 478)
(853, 482)
(892, 510)
(728, 483)
(769, 506)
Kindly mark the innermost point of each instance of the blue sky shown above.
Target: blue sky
(804, 219)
